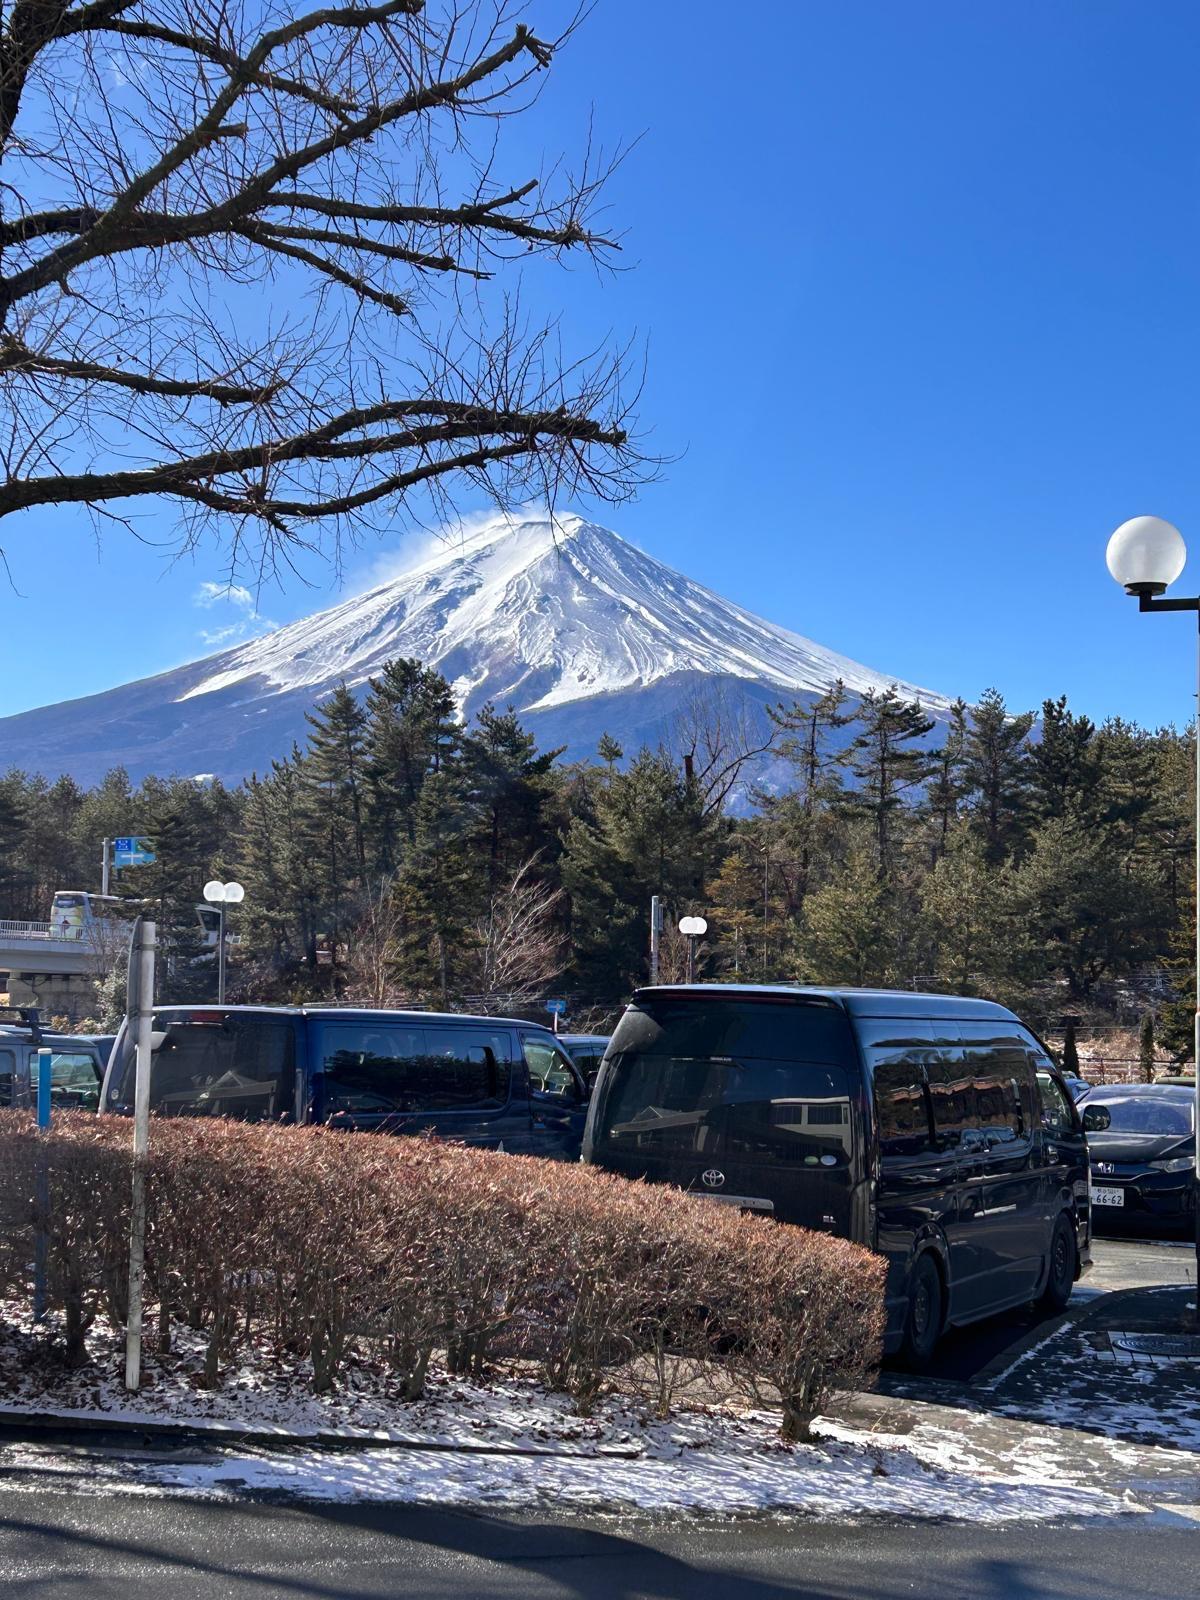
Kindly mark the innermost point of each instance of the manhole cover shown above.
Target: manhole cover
(1175, 1346)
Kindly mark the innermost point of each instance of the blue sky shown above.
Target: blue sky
(919, 284)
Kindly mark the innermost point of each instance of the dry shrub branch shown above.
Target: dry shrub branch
(408, 1252)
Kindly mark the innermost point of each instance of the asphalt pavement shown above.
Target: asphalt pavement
(66, 1547)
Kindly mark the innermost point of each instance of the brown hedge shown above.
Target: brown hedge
(328, 1244)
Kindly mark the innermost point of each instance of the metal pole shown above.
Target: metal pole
(141, 1140)
(655, 931)
(1196, 1036)
(104, 869)
(45, 1065)
(221, 953)
(691, 939)
(766, 869)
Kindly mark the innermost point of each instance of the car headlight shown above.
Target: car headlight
(1176, 1164)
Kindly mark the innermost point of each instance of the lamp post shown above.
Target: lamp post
(1145, 555)
(221, 895)
(692, 928)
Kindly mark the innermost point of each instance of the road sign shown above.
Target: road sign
(133, 851)
(556, 1008)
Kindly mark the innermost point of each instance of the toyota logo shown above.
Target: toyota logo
(712, 1179)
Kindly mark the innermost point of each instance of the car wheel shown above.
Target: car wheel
(1060, 1274)
(923, 1324)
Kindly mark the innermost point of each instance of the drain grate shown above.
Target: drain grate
(1166, 1346)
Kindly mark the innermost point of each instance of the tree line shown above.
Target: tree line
(402, 856)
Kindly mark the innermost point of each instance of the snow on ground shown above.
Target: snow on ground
(1076, 1378)
(510, 1444)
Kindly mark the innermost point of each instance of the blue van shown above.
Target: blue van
(485, 1081)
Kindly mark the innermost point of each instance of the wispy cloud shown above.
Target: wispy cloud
(248, 621)
(424, 544)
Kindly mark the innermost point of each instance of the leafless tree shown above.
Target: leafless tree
(716, 731)
(374, 950)
(519, 944)
(247, 252)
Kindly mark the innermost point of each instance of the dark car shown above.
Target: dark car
(484, 1081)
(1078, 1086)
(933, 1129)
(1141, 1140)
(587, 1052)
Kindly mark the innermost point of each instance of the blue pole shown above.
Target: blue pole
(45, 1061)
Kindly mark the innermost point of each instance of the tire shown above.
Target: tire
(923, 1322)
(1060, 1266)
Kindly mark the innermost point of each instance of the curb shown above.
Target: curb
(19, 1424)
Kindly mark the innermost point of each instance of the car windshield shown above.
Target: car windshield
(1145, 1113)
(766, 1082)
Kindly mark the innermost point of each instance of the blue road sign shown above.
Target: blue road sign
(556, 1008)
(133, 851)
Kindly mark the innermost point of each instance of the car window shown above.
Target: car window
(74, 1079)
(1055, 1110)
(549, 1070)
(8, 1066)
(379, 1067)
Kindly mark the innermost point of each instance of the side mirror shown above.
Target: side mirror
(1096, 1119)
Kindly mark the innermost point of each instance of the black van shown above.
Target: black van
(933, 1129)
(483, 1081)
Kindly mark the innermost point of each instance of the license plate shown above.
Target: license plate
(1108, 1197)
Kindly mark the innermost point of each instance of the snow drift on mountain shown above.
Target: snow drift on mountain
(583, 633)
(541, 613)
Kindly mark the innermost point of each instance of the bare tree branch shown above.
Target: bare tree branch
(224, 231)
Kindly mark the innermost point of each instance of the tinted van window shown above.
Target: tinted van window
(763, 1081)
(385, 1067)
(897, 1054)
(232, 1066)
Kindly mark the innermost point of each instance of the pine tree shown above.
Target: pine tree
(960, 912)
(808, 744)
(1063, 763)
(996, 776)
(412, 730)
(1070, 1050)
(889, 759)
(644, 833)
(1146, 1048)
(513, 792)
(610, 752)
(946, 788)
(334, 774)
(846, 933)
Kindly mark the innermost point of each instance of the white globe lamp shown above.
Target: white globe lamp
(1145, 555)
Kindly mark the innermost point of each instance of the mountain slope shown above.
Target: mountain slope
(567, 621)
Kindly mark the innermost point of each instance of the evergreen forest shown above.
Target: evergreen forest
(402, 857)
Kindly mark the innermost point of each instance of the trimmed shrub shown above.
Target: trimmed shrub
(325, 1245)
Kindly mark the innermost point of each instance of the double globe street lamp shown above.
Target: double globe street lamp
(221, 895)
(1146, 555)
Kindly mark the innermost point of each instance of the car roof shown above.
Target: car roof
(355, 1014)
(858, 1002)
(1167, 1091)
(585, 1038)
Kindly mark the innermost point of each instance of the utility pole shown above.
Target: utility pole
(140, 1021)
(656, 923)
(104, 868)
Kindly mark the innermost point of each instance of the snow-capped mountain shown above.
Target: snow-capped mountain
(577, 628)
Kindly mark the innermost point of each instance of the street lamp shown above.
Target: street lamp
(1145, 555)
(221, 895)
(692, 928)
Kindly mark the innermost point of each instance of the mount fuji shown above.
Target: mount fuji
(579, 630)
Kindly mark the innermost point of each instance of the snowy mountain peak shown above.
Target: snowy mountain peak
(540, 612)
